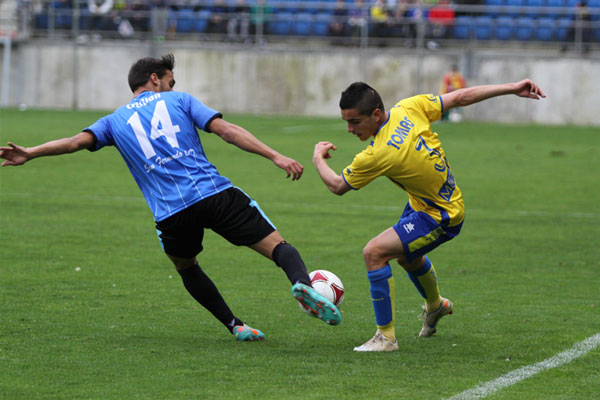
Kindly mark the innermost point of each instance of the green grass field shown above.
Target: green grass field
(90, 307)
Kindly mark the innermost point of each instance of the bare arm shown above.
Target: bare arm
(245, 140)
(18, 155)
(475, 94)
(334, 182)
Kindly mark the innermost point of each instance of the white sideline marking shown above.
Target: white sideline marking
(578, 350)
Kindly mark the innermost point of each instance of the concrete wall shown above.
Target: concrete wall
(49, 74)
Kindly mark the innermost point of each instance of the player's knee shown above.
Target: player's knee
(182, 264)
(373, 255)
(411, 266)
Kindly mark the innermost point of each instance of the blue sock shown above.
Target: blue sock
(382, 295)
(414, 276)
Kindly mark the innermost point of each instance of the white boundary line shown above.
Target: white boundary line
(578, 350)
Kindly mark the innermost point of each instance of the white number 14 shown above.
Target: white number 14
(160, 118)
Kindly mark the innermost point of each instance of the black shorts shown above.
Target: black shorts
(231, 214)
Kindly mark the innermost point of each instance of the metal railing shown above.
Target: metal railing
(321, 22)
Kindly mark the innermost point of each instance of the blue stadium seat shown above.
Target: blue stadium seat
(593, 4)
(555, 7)
(562, 27)
(321, 24)
(63, 15)
(534, 3)
(201, 23)
(494, 7)
(545, 29)
(504, 28)
(483, 27)
(185, 20)
(302, 25)
(280, 23)
(525, 28)
(513, 10)
(463, 27)
(41, 21)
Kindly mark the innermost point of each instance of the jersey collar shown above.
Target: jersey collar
(384, 124)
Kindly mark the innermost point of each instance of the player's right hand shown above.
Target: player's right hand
(526, 88)
(322, 150)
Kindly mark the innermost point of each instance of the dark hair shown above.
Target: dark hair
(361, 97)
(140, 71)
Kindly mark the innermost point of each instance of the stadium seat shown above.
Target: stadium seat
(493, 7)
(280, 23)
(513, 8)
(524, 28)
(545, 29)
(41, 21)
(302, 24)
(463, 27)
(554, 8)
(504, 28)
(321, 24)
(63, 15)
(483, 27)
(534, 3)
(201, 23)
(185, 20)
(562, 27)
(594, 4)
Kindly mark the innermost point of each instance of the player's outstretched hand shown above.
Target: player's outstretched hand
(322, 150)
(289, 165)
(526, 88)
(14, 155)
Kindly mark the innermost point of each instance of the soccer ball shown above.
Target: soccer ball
(328, 285)
(455, 116)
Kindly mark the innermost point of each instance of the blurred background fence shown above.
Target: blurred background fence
(270, 56)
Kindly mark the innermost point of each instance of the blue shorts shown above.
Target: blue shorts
(420, 233)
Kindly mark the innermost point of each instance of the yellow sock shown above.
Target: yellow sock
(389, 331)
(426, 282)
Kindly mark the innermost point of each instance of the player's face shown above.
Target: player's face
(361, 126)
(167, 82)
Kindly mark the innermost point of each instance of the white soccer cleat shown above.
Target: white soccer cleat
(378, 343)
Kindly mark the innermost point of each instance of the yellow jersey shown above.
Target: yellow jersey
(406, 151)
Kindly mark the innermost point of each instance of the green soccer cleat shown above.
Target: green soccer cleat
(245, 333)
(431, 319)
(318, 305)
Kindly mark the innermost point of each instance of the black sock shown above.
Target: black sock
(287, 257)
(199, 285)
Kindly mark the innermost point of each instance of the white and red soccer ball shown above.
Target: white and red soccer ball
(328, 285)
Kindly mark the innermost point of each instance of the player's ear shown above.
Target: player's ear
(154, 78)
(377, 114)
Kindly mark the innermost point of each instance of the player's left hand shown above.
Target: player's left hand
(289, 165)
(14, 155)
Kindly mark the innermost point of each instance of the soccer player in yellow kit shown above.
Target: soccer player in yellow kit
(404, 149)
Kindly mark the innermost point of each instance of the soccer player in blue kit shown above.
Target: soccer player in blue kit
(157, 138)
(403, 148)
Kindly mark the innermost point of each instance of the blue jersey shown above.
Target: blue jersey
(156, 136)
